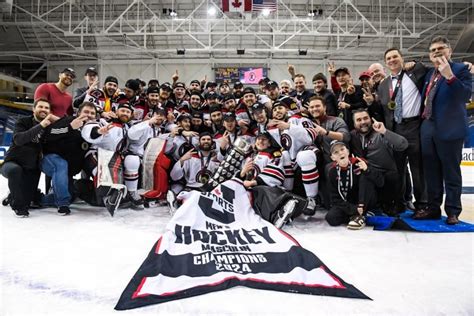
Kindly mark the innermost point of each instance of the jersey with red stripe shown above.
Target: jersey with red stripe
(293, 139)
(268, 168)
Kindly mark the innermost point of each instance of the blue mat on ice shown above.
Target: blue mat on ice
(405, 222)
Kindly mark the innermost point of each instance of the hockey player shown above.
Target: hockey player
(352, 185)
(131, 92)
(299, 151)
(104, 99)
(139, 135)
(264, 166)
(228, 103)
(195, 86)
(216, 119)
(185, 139)
(180, 97)
(196, 166)
(112, 137)
(225, 140)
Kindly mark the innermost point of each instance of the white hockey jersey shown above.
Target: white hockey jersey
(197, 170)
(111, 140)
(140, 133)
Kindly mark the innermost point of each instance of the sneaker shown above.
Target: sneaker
(64, 210)
(137, 201)
(284, 214)
(356, 222)
(310, 209)
(21, 213)
(172, 202)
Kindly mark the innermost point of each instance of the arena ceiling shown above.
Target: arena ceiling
(37, 30)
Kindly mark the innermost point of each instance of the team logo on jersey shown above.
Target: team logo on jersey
(203, 176)
(184, 148)
(138, 113)
(286, 141)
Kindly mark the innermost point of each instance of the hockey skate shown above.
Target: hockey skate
(310, 209)
(284, 214)
(112, 199)
(172, 202)
(136, 201)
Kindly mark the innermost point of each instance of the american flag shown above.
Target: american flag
(260, 5)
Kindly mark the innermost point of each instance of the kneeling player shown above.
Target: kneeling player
(352, 188)
(197, 165)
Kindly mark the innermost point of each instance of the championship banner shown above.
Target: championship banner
(216, 241)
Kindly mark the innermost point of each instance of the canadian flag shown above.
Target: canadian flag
(236, 5)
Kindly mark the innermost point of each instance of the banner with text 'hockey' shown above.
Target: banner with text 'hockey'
(216, 241)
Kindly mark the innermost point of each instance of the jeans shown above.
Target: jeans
(56, 167)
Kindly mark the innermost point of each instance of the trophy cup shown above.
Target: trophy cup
(231, 164)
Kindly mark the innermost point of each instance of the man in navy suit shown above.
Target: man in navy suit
(446, 91)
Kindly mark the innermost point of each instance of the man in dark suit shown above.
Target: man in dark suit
(400, 97)
(447, 88)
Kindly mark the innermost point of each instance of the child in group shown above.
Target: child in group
(352, 188)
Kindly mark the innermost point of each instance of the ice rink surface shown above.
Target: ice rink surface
(80, 264)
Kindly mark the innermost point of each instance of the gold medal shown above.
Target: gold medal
(391, 105)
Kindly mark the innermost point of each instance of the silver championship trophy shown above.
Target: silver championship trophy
(231, 164)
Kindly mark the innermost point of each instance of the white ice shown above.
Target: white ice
(80, 264)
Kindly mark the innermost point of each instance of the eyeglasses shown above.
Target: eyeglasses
(435, 49)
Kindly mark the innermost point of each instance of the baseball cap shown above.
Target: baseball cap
(366, 74)
(229, 116)
(183, 116)
(271, 85)
(69, 71)
(166, 86)
(111, 79)
(211, 84)
(238, 84)
(152, 89)
(258, 107)
(248, 90)
(91, 70)
(335, 143)
(180, 85)
(343, 69)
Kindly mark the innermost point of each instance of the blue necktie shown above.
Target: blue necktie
(398, 101)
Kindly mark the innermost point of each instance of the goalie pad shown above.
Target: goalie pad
(110, 176)
(155, 169)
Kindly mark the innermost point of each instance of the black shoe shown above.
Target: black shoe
(21, 213)
(6, 201)
(38, 196)
(64, 210)
(452, 220)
